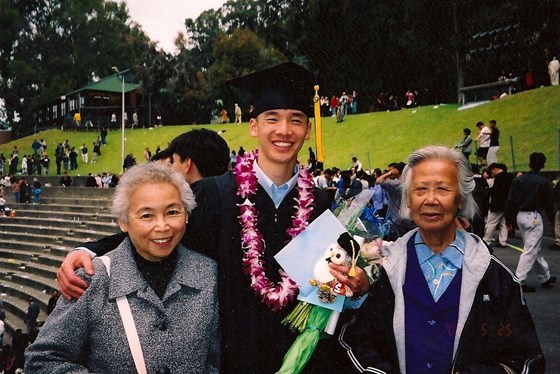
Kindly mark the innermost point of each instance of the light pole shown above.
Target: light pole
(114, 68)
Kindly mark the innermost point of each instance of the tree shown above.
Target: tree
(60, 46)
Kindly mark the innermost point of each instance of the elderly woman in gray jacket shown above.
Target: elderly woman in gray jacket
(171, 325)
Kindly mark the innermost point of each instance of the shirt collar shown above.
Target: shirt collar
(454, 253)
(276, 193)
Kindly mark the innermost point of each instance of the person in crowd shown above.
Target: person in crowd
(73, 158)
(481, 196)
(147, 154)
(114, 120)
(14, 161)
(498, 194)
(554, 71)
(199, 154)
(391, 182)
(106, 179)
(281, 125)
(52, 301)
(66, 180)
(238, 113)
(380, 200)
(312, 160)
(134, 120)
(25, 191)
(24, 164)
(114, 180)
(103, 134)
(2, 329)
(530, 198)
(465, 145)
(334, 105)
(356, 164)
(36, 146)
(96, 151)
(325, 182)
(59, 154)
(354, 103)
(89, 122)
(45, 161)
(2, 204)
(232, 159)
(442, 300)
(33, 310)
(165, 157)
(556, 189)
(347, 186)
(483, 140)
(171, 292)
(129, 161)
(77, 119)
(36, 190)
(410, 102)
(492, 156)
(90, 181)
(224, 116)
(363, 178)
(84, 151)
(16, 185)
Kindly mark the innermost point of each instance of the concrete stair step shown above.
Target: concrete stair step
(29, 211)
(77, 191)
(38, 276)
(57, 250)
(77, 208)
(75, 201)
(69, 241)
(51, 236)
(46, 265)
(75, 224)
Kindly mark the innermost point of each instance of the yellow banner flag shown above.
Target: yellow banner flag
(318, 126)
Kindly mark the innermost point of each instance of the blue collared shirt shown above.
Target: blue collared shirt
(276, 193)
(439, 269)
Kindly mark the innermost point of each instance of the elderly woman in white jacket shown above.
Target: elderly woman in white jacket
(171, 292)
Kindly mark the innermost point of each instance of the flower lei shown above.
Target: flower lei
(274, 295)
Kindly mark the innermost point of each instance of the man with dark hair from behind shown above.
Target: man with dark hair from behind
(529, 197)
(202, 153)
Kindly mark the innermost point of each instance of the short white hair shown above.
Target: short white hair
(465, 178)
(149, 172)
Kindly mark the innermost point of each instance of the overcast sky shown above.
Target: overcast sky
(162, 19)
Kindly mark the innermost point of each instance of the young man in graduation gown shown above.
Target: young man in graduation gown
(253, 339)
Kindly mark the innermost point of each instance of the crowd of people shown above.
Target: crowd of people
(339, 106)
(436, 304)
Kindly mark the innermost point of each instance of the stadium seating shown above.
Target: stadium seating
(35, 239)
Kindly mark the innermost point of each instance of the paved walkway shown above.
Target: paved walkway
(545, 303)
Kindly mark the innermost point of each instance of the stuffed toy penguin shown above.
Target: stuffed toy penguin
(340, 253)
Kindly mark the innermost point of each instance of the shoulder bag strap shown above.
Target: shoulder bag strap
(129, 326)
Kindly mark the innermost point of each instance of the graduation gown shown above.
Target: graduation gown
(253, 339)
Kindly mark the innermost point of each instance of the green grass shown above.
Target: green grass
(530, 119)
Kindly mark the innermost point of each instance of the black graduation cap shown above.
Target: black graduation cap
(284, 86)
(345, 240)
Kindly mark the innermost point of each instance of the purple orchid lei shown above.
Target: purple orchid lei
(274, 295)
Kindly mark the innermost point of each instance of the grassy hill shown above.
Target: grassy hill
(528, 120)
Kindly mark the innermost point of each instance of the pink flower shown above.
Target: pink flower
(279, 295)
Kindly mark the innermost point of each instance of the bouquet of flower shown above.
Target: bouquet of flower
(310, 320)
